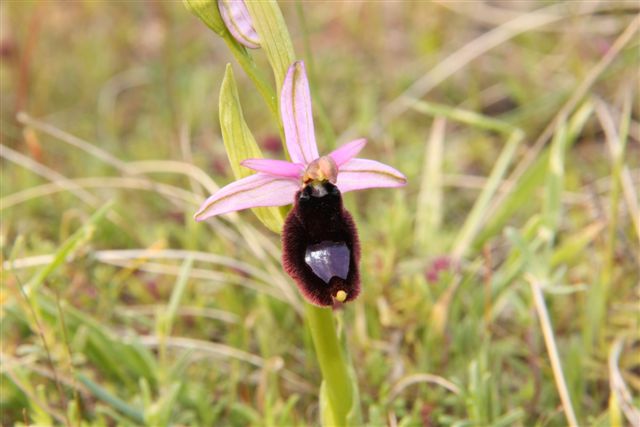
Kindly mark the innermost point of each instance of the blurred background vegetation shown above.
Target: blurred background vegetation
(514, 246)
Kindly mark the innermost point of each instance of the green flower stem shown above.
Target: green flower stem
(255, 74)
(339, 388)
(207, 11)
(332, 362)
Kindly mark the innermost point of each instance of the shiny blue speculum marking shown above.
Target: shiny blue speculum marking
(328, 259)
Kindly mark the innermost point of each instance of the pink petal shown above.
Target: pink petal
(253, 191)
(358, 174)
(236, 17)
(274, 167)
(348, 151)
(297, 118)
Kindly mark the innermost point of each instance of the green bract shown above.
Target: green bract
(240, 143)
(274, 36)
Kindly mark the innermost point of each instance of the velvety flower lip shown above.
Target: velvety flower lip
(236, 18)
(278, 181)
(320, 246)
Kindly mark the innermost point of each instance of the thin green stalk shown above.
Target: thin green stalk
(255, 74)
(332, 362)
(552, 203)
(599, 294)
(113, 401)
(166, 318)
(207, 11)
(463, 116)
(478, 215)
(429, 207)
(476, 218)
(37, 326)
(67, 248)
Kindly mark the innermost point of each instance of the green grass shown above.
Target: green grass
(521, 145)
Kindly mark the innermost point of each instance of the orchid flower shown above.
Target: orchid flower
(277, 181)
(320, 242)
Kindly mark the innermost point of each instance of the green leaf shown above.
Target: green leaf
(552, 206)
(240, 143)
(113, 401)
(274, 36)
(573, 245)
(531, 180)
(207, 11)
(477, 217)
(68, 248)
(167, 317)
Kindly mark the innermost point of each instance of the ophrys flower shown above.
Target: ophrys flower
(320, 243)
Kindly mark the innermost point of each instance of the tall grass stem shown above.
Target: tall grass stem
(552, 351)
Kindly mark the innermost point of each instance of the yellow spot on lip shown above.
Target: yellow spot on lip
(341, 296)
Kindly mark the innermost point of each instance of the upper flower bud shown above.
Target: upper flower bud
(207, 11)
(238, 21)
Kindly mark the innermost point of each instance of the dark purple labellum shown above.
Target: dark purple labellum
(320, 247)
